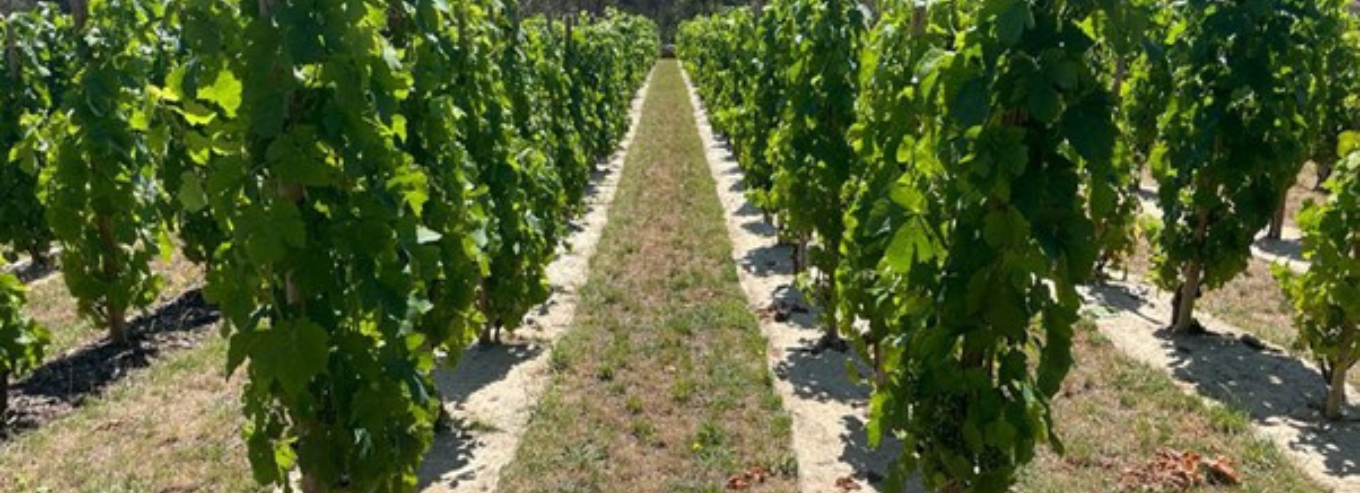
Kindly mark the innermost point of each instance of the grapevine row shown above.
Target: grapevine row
(369, 184)
(951, 172)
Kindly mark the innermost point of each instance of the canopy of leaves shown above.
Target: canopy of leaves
(1240, 117)
(1326, 298)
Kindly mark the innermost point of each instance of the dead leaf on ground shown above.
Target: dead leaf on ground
(1174, 470)
(847, 483)
(1221, 471)
(753, 475)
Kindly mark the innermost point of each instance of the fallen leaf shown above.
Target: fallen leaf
(738, 482)
(1221, 471)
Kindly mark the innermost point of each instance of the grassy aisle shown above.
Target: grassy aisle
(661, 385)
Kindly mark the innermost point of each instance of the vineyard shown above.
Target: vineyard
(958, 180)
(835, 246)
(369, 187)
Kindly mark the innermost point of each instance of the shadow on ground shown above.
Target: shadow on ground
(454, 447)
(31, 272)
(1273, 388)
(65, 383)
(1277, 390)
(1291, 249)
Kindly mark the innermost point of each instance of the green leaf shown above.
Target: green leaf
(1012, 22)
(1347, 143)
(969, 106)
(292, 354)
(191, 194)
(1043, 103)
(196, 114)
(225, 91)
(199, 147)
(1090, 132)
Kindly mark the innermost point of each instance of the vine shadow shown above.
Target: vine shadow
(455, 447)
(1291, 249)
(1272, 388)
(1122, 296)
(65, 383)
(768, 260)
(29, 271)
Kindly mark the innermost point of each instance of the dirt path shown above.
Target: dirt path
(491, 391)
(1279, 392)
(829, 409)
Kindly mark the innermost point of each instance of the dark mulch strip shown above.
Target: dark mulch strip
(66, 383)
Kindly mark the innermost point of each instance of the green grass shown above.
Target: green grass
(661, 383)
(1115, 414)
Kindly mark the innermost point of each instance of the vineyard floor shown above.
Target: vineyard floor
(1278, 392)
(1252, 303)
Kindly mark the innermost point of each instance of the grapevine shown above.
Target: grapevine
(1326, 298)
(102, 188)
(22, 341)
(33, 79)
(1234, 135)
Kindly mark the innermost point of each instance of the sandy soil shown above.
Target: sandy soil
(829, 409)
(492, 391)
(1280, 393)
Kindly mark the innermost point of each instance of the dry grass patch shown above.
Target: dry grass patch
(175, 427)
(1115, 416)
(661, 385)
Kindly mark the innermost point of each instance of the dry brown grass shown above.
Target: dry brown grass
(661, 385)
(174, 427)
(1115, 415)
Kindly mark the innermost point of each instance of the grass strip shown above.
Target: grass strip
(661, 385)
